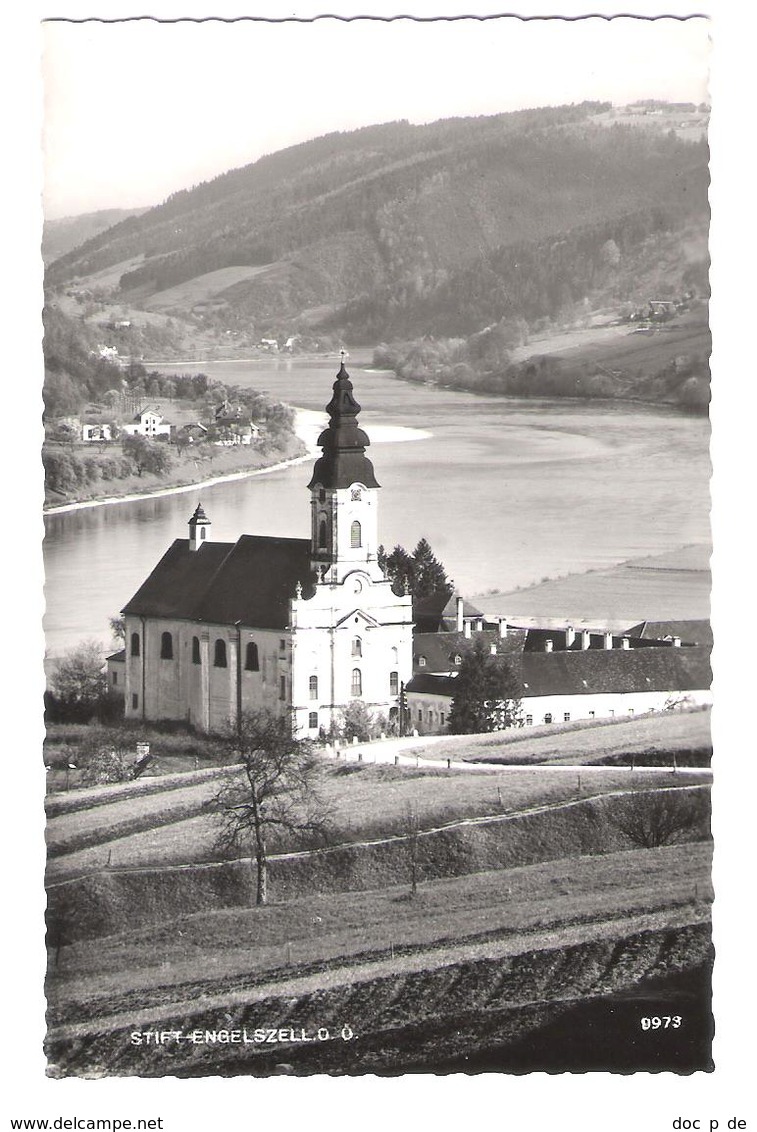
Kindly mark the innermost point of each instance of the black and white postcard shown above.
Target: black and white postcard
(377, 404)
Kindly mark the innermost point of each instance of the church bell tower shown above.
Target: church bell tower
(344, 493)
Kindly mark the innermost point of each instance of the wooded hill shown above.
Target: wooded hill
(397, 230)
(68, 232)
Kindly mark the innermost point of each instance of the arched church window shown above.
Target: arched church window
(356, 535)
(395, 654)
(357, 682)
(322, 535)
(166, 646)
(196, 650)
(357, 646)
(394, 683)
(219, 654)
(421, 662)
(251, 659)
(135, 644)
(313, 684)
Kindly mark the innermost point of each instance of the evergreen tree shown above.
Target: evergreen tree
(429, 576)
(399, 569)
(420, 573)
(487, 693)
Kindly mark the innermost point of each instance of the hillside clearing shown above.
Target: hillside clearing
(201, 287)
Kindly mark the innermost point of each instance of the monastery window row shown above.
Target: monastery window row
(220, 658)
(357, 684)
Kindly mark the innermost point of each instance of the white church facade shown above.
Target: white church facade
(305, 626)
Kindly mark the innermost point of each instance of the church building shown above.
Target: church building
(301, 625)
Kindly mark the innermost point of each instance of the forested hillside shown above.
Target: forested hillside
(63, 235)
(399, 230)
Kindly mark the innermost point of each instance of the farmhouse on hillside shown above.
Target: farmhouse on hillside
(147, 422)
(307, 625)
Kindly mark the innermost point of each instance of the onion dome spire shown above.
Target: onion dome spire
(344, 443)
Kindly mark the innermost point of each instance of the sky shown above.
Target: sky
(134, 111)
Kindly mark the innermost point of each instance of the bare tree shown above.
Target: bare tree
(276, 789)
(653, 818)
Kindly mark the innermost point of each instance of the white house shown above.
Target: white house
(301, 625)
(147, 422)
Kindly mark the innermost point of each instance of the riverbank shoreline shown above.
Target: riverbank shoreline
(307, 427)
(178, 489)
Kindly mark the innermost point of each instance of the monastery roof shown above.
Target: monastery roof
(428, 684)
(692, 632)
(617, 670)
(591, 672)
(440, 649)
(250, 581)
(117, 657)
(439, 612)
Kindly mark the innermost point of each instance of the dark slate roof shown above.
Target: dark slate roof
(537, 639)
(690, 632)
(117, 657)
(616, 670)
(432, 685)
(582, 673)
(250, 581)
(438, 613)
(440, 649)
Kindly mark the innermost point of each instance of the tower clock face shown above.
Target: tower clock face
(357, 586)
(355, 493)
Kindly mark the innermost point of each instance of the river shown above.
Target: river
(507, 492)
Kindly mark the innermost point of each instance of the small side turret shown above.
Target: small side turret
(199, 528)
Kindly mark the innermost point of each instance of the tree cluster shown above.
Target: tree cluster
(78, 688)
(420, 573)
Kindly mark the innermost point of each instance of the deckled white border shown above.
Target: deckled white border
(594, 1102)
